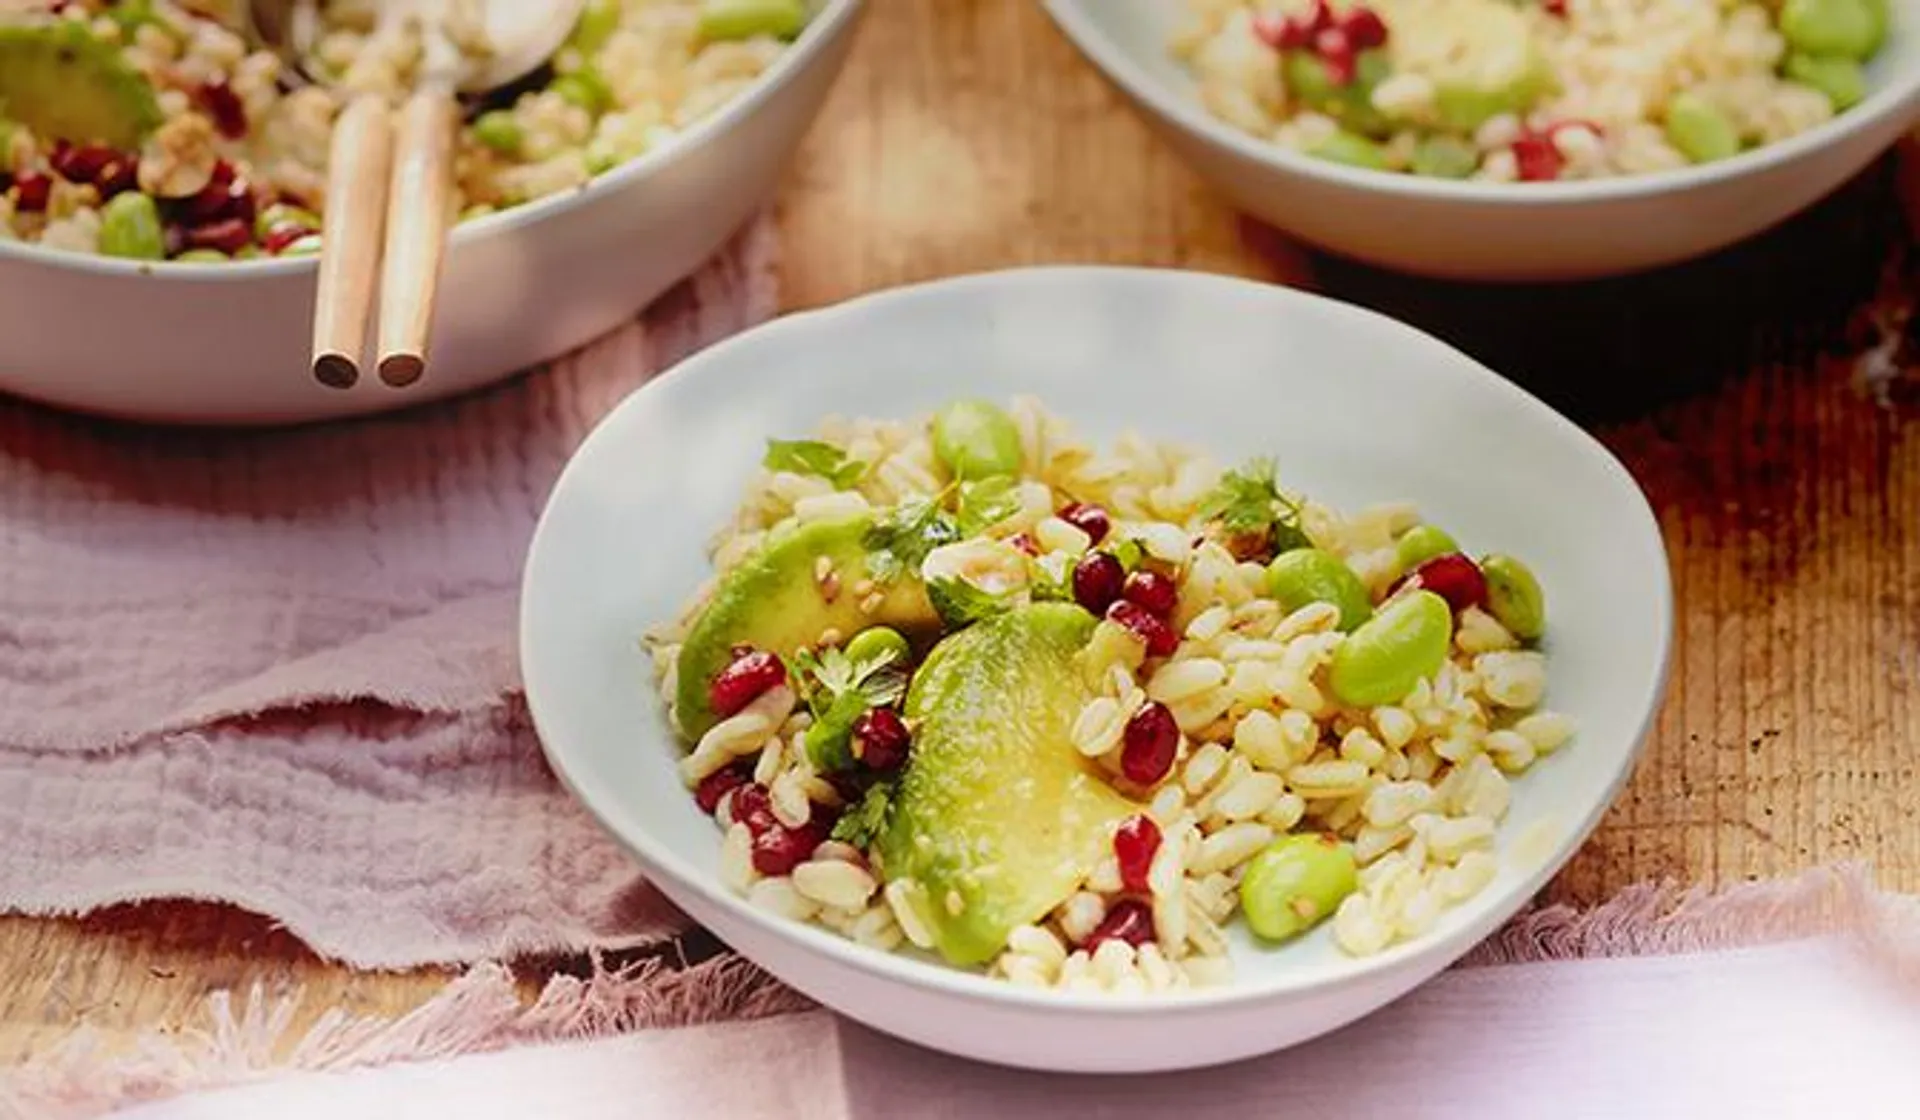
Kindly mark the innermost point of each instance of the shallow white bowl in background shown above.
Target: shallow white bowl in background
(228, 343)
(1493, 231)
(1358, 409)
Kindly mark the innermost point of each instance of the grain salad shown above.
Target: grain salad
(1528, 90)
(153, 130)
(966, 686)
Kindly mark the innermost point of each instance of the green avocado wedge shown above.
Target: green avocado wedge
(60, 80)
(773, 601)
(997, 817)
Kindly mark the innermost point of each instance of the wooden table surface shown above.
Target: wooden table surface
(967, 135)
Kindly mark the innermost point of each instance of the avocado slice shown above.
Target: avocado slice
(61, 81)
(1480, 55)
(997, 818)
(773, 601)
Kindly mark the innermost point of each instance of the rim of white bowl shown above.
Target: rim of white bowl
(1900, 96)
(659, 860)
(823, 27)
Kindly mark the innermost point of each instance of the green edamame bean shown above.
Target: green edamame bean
(1840, 80)
(585, 88)
(1352, 149)
(130, 227)
(1846, 28)
(1700, 130)
(1445, 157)
(499, 130)
(1422, 543)
(202, 256)
(1295, 884)
(283, 214)
(746, 19)
(1312, 575)
(597, 23)
(976, 440)
(477, 211)
(1380, 662)
(877, 642)
(1514, 597)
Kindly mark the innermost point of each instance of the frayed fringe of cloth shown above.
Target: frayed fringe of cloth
(482, 1010)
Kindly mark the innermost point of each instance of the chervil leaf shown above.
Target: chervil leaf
(899, 542)
(863, 822)
(1248, 504)
(885, 685)
(811, 456)
(1050, 578)
(960, 603)
(986, 503)
(838, 691)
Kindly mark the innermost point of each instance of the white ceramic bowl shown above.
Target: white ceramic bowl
(1358, 409)
(1487, 231)
(228, 343)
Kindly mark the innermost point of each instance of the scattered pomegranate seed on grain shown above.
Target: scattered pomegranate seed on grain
(1149, 743)
(1134, 844)
(743, 680)
(1130, 920)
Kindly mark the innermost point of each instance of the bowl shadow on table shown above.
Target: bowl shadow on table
(1613, 350)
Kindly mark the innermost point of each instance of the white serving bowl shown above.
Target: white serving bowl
(228, 343)
(1491, 231)
(1357, 407)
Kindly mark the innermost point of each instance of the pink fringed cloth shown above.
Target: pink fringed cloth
(276, 669)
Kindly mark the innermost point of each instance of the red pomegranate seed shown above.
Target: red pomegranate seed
(1091, 520)
(119, 175)
(229, 235)
(752, 806)
(1134, 845)
(223, 173)
(79, 163)
(232, 198)
(1337, 54)
(225, 107)
(1365, 29)
(1321, 17)
(780, 849)
(880, 739)
(1098, 580)
(1129, 920)
(1148, 627)
(1151, 590)
(1453, 577)
(1274, 31)
(743, 680)
(1555, 7)
(31, 191)
(1539, 161)
(1148, 744)
(284, 235)
(718, 784)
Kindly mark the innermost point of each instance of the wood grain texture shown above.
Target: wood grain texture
(966, 136)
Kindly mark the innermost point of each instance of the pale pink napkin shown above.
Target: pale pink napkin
(277, 668)
(1794, 1031)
